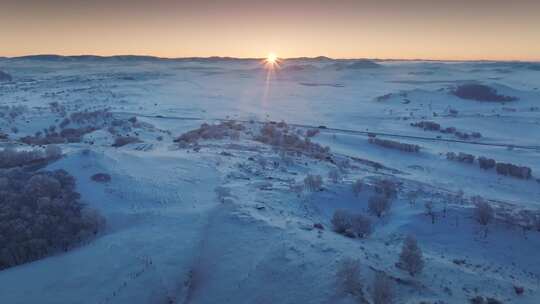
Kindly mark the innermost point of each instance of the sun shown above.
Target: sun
(272, 58)
(272, 61)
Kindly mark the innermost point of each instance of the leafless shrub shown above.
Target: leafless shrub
(101, 177)
(427, 125)
(348, 278)
(411, 258)
(394, 145)
(66, 135)
(476, 135)
(351, 225)
(509, 169)
(461, 157)
(486, 163)
(484, 300)
(10, 157)
(281, 138)
(513, 170)
(73, 135)
(382, 291)
(483, 213)
(121, 141)
(378, 205)
(57, 108)
(462, 135)
(312, 132)
(357, 187)
(227, 129)
(313, 182)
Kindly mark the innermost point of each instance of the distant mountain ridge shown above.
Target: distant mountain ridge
(361, 62)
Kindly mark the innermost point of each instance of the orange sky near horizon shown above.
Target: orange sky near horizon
(436, 29)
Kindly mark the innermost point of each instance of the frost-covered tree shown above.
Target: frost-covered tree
(378, 205)
(40, 214)
(382, 291)
(411, 258)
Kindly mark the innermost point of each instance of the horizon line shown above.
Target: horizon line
(263, 58)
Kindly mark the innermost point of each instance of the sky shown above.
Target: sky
(400, 29)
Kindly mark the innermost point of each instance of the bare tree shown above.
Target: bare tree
(379, 205)
(483, 213)
(382, 292)
(411, 258)
(348, 278)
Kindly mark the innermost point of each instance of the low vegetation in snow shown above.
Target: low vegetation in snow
(11, 157)
(391, 144)
(351, 224)
(480, 92)
(522, 172)
(226, 129)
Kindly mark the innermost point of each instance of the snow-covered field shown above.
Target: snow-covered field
(226, 219)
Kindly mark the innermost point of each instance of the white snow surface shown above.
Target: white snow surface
(169, 237)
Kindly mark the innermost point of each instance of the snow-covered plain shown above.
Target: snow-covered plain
(170, 236)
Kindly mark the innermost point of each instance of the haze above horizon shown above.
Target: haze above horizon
(419, 29)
